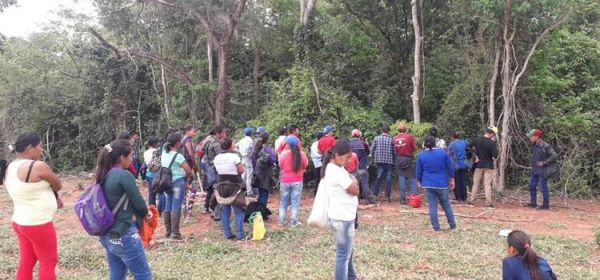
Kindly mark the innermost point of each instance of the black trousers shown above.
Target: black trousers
(460, 184)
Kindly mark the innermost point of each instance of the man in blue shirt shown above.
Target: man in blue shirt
(457, 150)
(361, 149)
(543, 166)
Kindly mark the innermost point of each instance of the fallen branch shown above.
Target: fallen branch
(478, 216)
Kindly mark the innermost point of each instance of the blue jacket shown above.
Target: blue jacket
(457, 150)
(434, 168)
(513, 268)
(361, 149)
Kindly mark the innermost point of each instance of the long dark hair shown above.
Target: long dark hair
(521, 242)
(341, 147)
(296, 158)
(24, 140)
(109, 156)
(262, 140)
(430, 142)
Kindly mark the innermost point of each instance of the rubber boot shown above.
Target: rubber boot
(167, 219)
(175, 219)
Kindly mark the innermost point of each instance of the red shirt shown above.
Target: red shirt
(283, 144)
(288, 175)
(352, 164)
(404, 144)
(325, 143)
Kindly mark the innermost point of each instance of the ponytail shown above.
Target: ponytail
(521, 242)
(109, 156)
(296, 159)
(326, 159)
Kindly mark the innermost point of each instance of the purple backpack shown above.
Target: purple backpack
(93, 211)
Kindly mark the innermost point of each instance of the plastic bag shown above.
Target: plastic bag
(318, 214)
(258, 226)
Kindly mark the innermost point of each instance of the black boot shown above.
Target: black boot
(167, 219)
(175, 219)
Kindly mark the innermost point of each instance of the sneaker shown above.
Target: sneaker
(531, 205)
(543, 207)
(296, 224)
(490, 206)
(231, 237)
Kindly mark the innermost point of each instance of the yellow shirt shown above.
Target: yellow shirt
(34, 203)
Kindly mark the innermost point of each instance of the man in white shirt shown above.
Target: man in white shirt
(316, 158)
(282, 134)
(244, 146)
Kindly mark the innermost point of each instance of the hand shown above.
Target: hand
(476, 159)
(149, 216)
(540, 163)
(451, 184)
(59, 203)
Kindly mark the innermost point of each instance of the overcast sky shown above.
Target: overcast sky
(29, 15)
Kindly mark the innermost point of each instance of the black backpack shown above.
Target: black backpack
(155, 165)
(162, 181)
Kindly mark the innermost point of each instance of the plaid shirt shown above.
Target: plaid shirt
(383, 150)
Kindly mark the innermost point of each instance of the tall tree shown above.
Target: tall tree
(416, 79)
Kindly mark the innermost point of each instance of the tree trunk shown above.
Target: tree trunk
(166, 94)
(210, 61)
(256, 76)
(507, 99)
(493, 81)
(416, 79)
(223, 87)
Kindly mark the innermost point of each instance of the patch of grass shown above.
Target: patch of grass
(555, 225)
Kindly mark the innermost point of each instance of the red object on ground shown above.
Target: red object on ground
(414, 200)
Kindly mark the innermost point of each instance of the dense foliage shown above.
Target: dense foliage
(349, 65)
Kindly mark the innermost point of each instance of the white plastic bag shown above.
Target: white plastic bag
(318, 214)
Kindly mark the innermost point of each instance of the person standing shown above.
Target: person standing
(174, 199)
(543, 166)
(485, 153)
(152, 145)
(212, 147)
(435, 174)
(263, 160)
(342, 193)
(383, 151)
(457, 150)
(439, 142)
(124, 249)
(282, 134)
(404, 148)
(361, 149)
(244, 146)
(317, 158)
(229, 167)
(292, 163)
(327, 141)
(33, 187)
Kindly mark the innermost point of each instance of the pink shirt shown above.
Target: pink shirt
(287, 172)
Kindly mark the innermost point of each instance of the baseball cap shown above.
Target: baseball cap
(535, 132)
(328, 129)
(356, 133)
(492, 129)
(248, 131)
(261, 130)
(292, 141)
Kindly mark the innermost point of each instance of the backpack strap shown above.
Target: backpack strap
(173, 160)
(29, 171)
(123, 198)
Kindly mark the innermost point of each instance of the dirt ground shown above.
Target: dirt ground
(572, 218)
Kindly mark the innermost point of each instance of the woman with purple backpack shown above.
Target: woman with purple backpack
(124, 249)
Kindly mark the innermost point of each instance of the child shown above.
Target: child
(522, 262)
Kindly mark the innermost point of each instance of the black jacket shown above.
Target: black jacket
(486, 150)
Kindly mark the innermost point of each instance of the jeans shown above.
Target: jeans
(239, 221)
(126, 253)
(152, 195)
(36, 244)
(433, 196)
(412, 182)
(344, 239)
(290, 192)
(247, 175)
(460, 189)
(263, 196)
(384, 170)
(363, 179)
(533, 182)
(174, 200)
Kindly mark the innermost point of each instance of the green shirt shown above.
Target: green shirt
(118, 183)
(176, 168)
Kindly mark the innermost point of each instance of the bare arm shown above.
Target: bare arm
(45, 173)
(353, 189)
(240, 168)
(186, 167)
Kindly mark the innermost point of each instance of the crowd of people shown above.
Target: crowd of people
(235, 172)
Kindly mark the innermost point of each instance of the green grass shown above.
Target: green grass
(399, 247)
